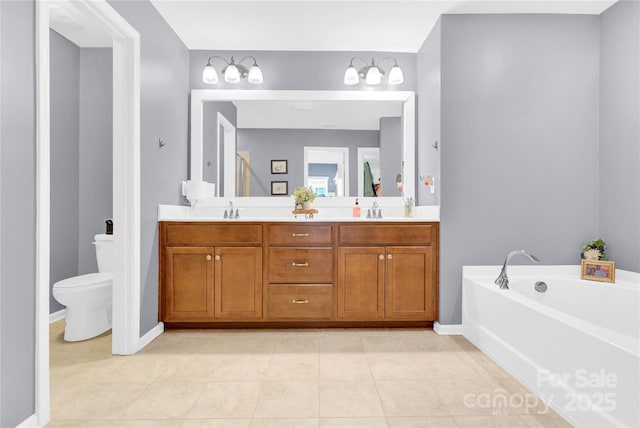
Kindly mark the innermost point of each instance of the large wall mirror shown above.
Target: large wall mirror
(342, 143)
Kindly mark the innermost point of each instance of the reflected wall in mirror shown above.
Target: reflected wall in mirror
(374, 131)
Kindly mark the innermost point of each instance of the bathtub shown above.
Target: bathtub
(576, 346)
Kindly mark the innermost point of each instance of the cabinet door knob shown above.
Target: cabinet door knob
(300, 301)
(217, 257)
(208, 256)
(305, 264)
(299, 235)
(381, 256)
(389, 256)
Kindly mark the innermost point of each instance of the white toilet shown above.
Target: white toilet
(89, 298)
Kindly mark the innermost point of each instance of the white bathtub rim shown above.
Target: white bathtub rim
(479, 275)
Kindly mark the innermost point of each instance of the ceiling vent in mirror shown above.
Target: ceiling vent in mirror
(372, 73)
(233, 72)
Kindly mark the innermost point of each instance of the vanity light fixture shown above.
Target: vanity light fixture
(372, 73)
(232, 71)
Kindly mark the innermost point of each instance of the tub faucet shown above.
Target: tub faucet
(503, 280)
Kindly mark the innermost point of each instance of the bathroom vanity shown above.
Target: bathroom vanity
(217, 274)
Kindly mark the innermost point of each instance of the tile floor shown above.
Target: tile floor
(296, 378)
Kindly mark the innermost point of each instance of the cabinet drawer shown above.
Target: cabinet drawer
(385, 234)
(212, 234)
(301, 264)
(300, 234)
(299, 301)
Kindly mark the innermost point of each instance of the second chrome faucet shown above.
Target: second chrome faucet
(503, 280)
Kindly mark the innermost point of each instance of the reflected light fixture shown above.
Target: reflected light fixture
(233, 72)
(372, 73)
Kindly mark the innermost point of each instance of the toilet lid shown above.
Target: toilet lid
(83, 280)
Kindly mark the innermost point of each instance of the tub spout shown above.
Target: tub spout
(503, 280)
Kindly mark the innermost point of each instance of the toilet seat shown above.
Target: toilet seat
(87, 280)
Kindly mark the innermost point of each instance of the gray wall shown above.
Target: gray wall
(390, 155)
(164, 78)
(297, 70)
(268, 144)
(620, 134)
(17, 211)
(210, 139)
(95, 151)
(428, 106)
(65, 128)
(519, 141)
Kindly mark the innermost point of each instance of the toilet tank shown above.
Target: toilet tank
(104, 252)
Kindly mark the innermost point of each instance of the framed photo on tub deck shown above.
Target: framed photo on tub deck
(280, 188)
(598, 270)
(278, 166)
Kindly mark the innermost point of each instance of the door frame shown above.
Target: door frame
(126, 188)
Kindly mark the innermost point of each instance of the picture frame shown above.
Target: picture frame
(280, 188)
(279, 166)
(598, 270)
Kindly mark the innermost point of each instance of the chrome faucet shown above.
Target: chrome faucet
(503, 280)
(230, 214)
(374, 208)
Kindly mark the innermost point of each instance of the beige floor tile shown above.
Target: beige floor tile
(240, 344)
(93, 400)
(294, 367)
(216, 423)
(286, 423)
(511, 421)
(384, 343)
(552, 420)
(410, 398)
(165, 400)
(394, 366)
(473, 396)
(298, 344)
(353, 423)
(87, 370)
(432, 343)
(226, 400)
(448, 365)
(422, 422)
(349, 399)
(66, 424)
(195, 368)
(242, 368)
(341, 343)
(288, 399)
(348, 366)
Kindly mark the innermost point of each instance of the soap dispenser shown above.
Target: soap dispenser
(356, 209)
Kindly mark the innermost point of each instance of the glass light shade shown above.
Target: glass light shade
(209, 75)
(255, 75)
(351, 76)
(374, 77)
(395, 75)
(231, 74)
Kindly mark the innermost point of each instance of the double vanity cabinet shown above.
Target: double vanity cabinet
(298, 274)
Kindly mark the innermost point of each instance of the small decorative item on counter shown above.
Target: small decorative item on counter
(409, 204)
(598, 270)
(356, 209)
(594, 250)
(304, 196)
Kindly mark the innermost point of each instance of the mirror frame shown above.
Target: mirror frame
(201, 96)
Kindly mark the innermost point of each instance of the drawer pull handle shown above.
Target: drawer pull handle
(381, 257)
(305, 264)
(390, 256)
(300, 301)
(299, 235)
(217, 257)
(208, 256)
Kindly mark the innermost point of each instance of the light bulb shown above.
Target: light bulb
(395, 75)
(351, 76)
(231, 74)
(255, 75)
(209, 75)
(374, 77)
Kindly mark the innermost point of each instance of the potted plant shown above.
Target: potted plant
(304, 196)
(594, 250)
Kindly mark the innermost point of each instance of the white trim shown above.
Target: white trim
(57, 316)
(151, 335)
(226, 139)
(447, 329)
(30, 422)
(126, 188)
(200, 96)
(362, 152)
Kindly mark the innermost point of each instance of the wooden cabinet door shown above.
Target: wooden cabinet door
(188, 284)
(238, 283)
(361, 283)
(409, 289)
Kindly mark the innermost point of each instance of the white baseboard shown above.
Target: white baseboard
(30, 422)
(447, 329)
(150, 335)
(57, 316)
